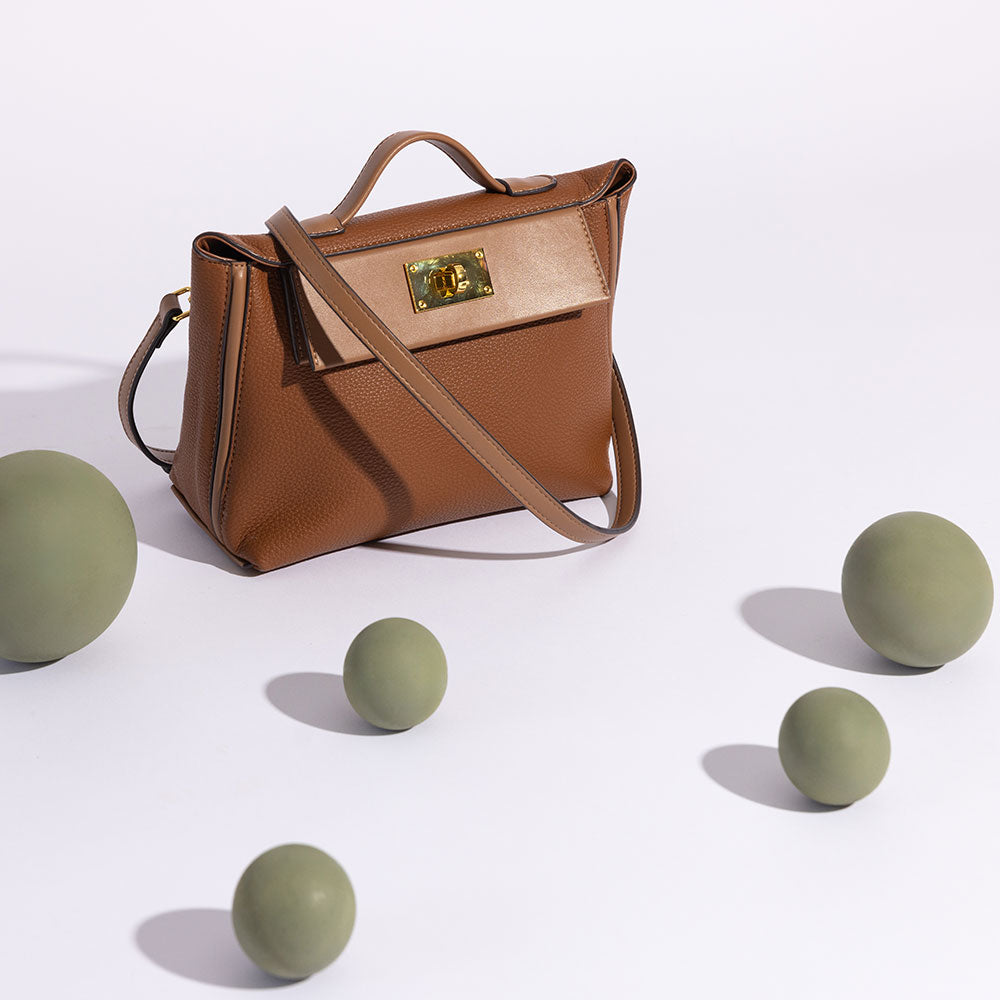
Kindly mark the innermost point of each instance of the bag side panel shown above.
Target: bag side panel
(211, 283)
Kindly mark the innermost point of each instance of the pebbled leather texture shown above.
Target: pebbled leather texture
(350, 456)
(281, 463)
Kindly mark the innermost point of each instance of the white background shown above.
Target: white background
(807, 319)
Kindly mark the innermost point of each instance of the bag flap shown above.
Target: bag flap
(537, 249)
(533, 268)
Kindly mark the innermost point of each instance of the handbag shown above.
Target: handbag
(355, 377)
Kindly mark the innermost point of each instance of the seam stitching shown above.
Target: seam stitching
(493, 218)
(593, 253)
(244, 337)
(218, 368)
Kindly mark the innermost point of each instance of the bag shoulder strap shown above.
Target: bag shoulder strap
(167, 315)
(443, 406)
(424, 387)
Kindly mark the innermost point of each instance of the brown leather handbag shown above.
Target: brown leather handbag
(316, 414)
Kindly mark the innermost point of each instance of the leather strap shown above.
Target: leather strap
(166, 319)
(440, 403)
(335, 221)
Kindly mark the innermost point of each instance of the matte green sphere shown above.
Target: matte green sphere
(917, 589)
(834, 746)
(293, 911)
(395, 673)
(67, 555)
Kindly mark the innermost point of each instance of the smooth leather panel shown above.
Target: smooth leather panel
(540, 266)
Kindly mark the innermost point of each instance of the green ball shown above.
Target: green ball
(293, 911)
(67, 555)
(834, 746)
(395, 673)
(917, 589)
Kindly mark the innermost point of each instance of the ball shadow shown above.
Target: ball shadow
(319, 700)
(199, 944)
(754, 772)
(13, 667)
(814, 624)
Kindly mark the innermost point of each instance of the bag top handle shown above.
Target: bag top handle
(335, 221)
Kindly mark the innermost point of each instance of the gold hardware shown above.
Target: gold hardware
(448, 281)
(186, 290)
(453, 277)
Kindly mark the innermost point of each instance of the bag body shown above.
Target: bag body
(343, 371)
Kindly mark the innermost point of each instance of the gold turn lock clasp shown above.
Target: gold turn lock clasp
(453, 277)
(447, 281)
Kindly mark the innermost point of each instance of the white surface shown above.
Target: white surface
(807, 320)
